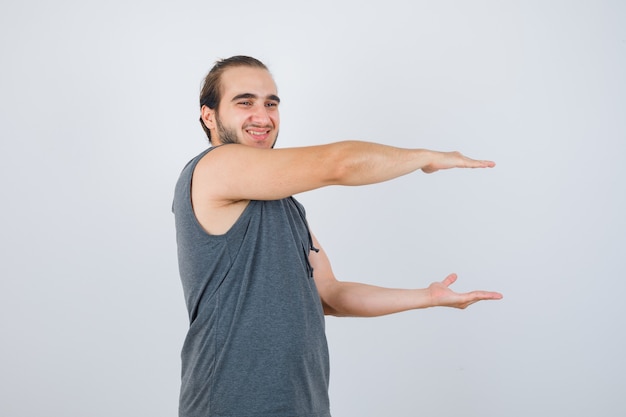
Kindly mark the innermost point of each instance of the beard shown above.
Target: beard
(228, 135)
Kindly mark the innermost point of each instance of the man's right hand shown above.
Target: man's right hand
(447, 160)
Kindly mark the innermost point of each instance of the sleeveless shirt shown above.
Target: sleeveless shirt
(256, 343)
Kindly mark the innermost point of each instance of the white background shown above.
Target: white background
(98, 115)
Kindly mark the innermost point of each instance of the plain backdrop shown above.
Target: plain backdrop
(98, 115)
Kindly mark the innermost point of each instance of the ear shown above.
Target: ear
(208, 117)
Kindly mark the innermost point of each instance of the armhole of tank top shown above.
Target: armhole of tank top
(244, 214)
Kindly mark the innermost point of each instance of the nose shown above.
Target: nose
(260, 115)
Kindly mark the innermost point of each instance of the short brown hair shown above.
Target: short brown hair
(211, 92)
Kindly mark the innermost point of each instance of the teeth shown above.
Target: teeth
(256, 133)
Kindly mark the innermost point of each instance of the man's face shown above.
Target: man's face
(248, 111)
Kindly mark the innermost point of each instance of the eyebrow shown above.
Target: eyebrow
(272, 97)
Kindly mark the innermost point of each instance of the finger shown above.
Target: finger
(485, 295)
(449, 280)
(476, 296)
(481, 164)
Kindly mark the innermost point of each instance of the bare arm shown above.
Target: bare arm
(238, 172)
(362, 300)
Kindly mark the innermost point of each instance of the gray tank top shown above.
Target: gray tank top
(256, 344)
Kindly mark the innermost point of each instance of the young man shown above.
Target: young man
(257, 283)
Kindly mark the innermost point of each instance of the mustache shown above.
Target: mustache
(258, 126)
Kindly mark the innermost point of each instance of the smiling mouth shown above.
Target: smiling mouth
(255, 133)
(258, 134)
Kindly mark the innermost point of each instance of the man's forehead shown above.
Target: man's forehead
(248, 80)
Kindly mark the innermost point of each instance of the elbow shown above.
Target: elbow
(330, 292)
(330, 311)
(343, 164)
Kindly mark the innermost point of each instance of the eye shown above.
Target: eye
(271, 104)
(245, 103)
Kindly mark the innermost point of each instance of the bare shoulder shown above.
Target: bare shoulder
(214, 213)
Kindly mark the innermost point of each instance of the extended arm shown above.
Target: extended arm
(363, 300)
(238, 172)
